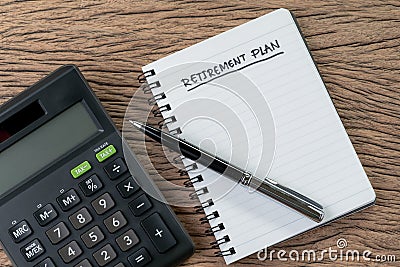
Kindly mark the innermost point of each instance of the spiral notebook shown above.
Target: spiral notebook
(254, 96)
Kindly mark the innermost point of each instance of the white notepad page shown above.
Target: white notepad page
(313, 154)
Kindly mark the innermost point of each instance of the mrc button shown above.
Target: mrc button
(20, 231)
(32, 250)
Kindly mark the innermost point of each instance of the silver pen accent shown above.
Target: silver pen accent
(267, 186)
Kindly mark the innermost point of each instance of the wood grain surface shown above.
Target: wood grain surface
(356, 45)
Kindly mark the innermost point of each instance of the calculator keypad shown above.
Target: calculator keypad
(103, 204)
(58, 233)
(96, 220)
(70, 252)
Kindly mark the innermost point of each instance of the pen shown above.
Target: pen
(271, 188)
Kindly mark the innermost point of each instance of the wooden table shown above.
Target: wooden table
(356, 45)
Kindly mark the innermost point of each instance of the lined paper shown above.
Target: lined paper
(273, 118)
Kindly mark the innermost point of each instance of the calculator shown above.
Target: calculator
(67, 195)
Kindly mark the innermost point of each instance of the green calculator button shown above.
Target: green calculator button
(106, 153)
(81, 169)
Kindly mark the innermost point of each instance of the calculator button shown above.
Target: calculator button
(70, 252)
(105, 255)
(84, 263)
(81, 169)
(115, 168)
(46, 215)
(46, 263)
(140, 258)
(140, 205)
(32, 250)
(103, 203)
(158, 233)
(20, 231)
(127, 240)
(92, 237)
(120, 265)
(106, 153)
(128, 187)
(68, 200)
(91, 185)
(58, 233)
(115, 222)
(80, 218)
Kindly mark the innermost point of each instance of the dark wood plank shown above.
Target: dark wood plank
(356, 45)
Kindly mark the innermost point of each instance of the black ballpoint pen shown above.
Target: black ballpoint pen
(284, 195)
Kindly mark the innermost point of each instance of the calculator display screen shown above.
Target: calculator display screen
(45, 145)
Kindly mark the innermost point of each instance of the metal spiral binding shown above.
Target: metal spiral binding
(215, 229)
(198, 192)
(176, 131)
(220, 241)
(191, 181)
(209, 217)
(142, 78)
(166, 121)
(204, 205)
(158, 112)
(224, 253)
(188, 168)
(148, 87)
(155, 98)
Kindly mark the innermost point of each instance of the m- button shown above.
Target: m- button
(45, 215)
(20, 231)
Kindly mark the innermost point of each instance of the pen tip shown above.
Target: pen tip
(137, 124)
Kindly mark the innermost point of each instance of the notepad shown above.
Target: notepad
(254, 97)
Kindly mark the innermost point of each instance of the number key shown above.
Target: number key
(46, 263)
(115, 222)
(84, 263)
(127, 240)
(103, 203)
(105, 255)
(80, 218)
(70, 252)
(58, 233)
(92, 237)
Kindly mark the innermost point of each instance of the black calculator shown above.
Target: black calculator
(69, 195)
